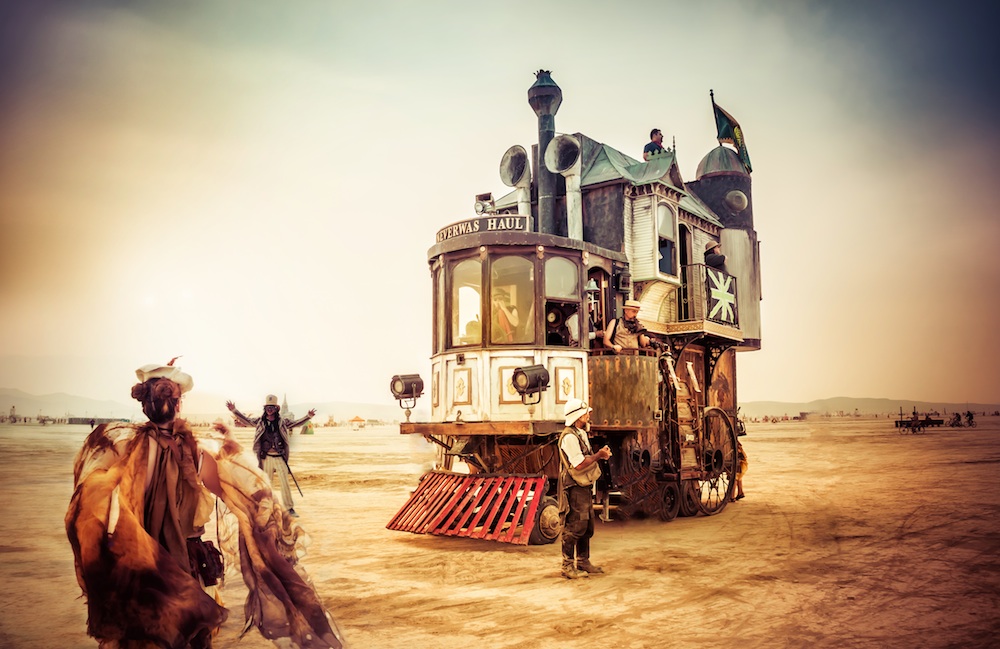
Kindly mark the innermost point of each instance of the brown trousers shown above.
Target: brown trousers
(579, 526)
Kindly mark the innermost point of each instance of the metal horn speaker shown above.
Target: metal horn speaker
(514, 168)
(562, 153)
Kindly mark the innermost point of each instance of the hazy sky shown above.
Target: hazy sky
(255, 185)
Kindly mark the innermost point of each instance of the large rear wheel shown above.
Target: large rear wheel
(718, 436)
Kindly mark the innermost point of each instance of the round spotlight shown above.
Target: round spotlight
(531, 379)
(406, 386)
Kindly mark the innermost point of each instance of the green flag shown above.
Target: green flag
(731, 133)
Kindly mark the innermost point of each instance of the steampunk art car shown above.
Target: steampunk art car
(522, 294)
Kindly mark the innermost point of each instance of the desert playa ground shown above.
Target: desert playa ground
(851, 535)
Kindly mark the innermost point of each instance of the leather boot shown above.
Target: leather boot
(586, 566)
(570, 572)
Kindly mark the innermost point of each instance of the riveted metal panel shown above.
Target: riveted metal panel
(623, 389)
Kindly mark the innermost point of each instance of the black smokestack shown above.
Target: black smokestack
(545, 97)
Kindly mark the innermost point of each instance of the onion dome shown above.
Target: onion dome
(720, 160)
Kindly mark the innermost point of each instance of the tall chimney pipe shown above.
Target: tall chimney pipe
(545, 97)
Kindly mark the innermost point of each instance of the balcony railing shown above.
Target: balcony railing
(707, 293)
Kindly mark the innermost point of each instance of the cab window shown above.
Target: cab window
(466, 303)
(512, 293)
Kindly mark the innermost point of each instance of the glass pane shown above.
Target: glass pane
(466, 289)
(562, 278)
(512, 301)
(665, 222)
(667, 257)
(665, 229)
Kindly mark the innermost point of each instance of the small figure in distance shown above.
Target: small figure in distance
(655, 146)
(270, 443)
(581, 470)
(626, 332)
(714, 256)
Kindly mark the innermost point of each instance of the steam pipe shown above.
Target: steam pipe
(545, 97)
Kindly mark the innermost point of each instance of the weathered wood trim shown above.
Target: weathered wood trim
(501, 428)
(473, 241)
(707, 326)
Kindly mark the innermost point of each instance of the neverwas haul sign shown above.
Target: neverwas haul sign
(503, 223)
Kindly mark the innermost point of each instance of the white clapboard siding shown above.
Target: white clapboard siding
(645, 247)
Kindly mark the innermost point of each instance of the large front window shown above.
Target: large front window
(512, 300)
(466, 303)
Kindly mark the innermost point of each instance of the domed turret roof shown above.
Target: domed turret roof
(720, 160)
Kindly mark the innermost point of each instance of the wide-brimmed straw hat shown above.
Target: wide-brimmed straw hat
(710, 245)
(633, 304)
(574, 409)
(168, 371)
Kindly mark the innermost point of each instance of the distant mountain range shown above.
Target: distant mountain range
(863, 406)
(208, 407)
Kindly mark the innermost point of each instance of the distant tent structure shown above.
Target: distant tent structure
(357, 423)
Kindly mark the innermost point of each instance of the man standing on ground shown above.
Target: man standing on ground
(580, 471)
(270, 443)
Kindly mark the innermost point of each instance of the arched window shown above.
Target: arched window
(512, 299)
(666, 232)
(466, 303)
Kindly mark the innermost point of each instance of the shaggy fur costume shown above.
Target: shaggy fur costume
(137, 592)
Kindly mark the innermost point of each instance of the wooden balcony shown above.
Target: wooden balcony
(706, 302)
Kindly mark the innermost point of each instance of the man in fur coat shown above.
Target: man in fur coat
(142, 496)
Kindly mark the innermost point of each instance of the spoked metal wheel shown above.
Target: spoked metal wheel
(720, 461)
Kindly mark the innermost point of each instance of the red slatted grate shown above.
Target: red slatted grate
(482, 506)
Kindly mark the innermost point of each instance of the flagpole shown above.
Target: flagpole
(715, 114)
